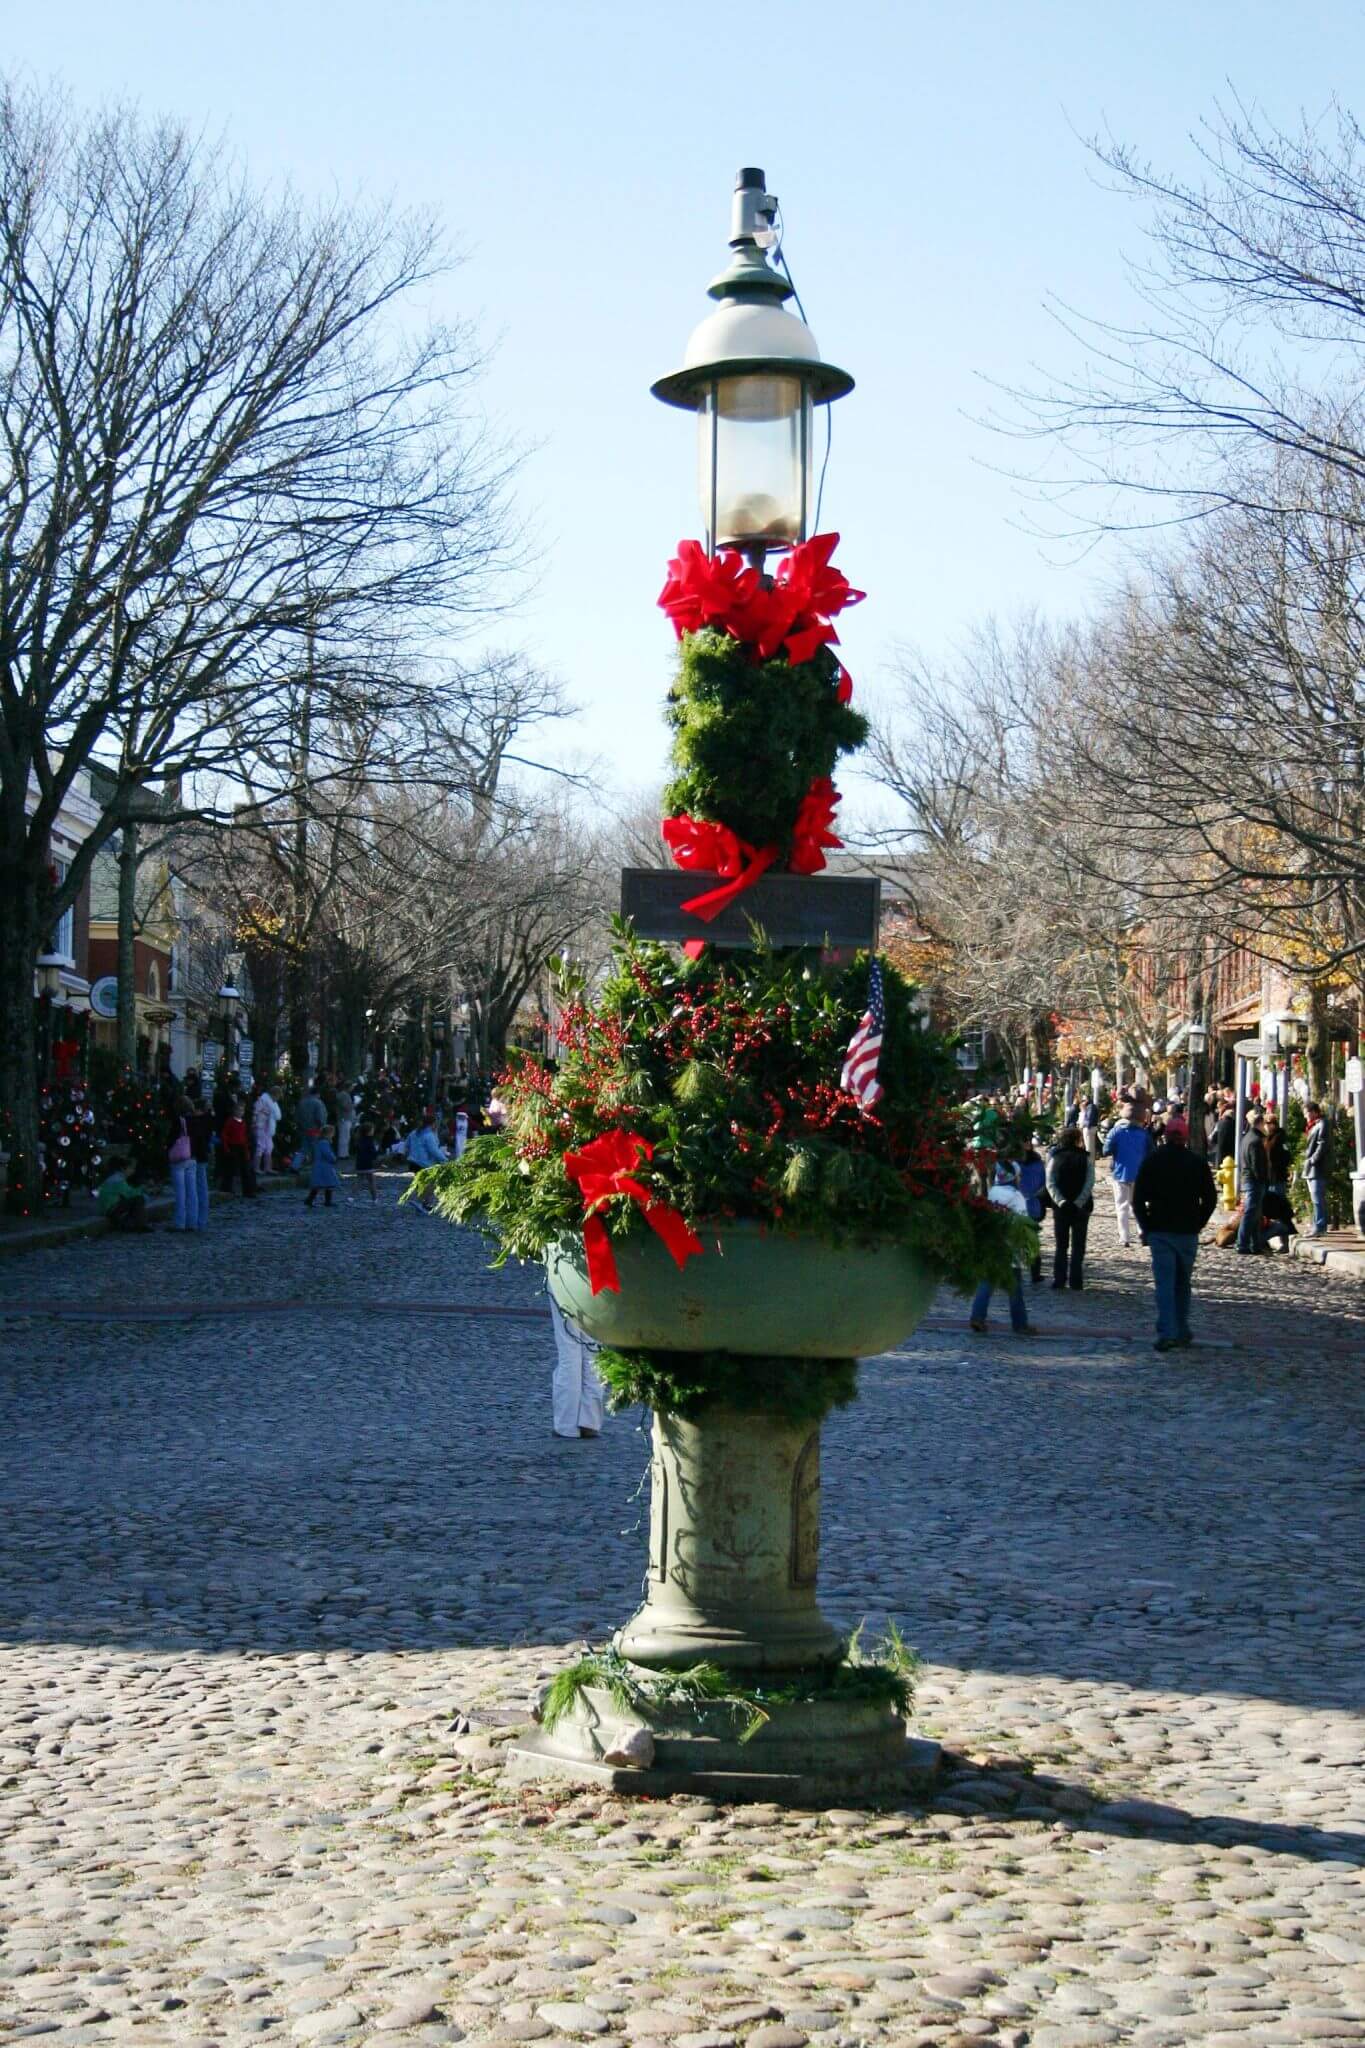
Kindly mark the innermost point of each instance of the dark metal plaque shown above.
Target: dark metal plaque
(793, 910)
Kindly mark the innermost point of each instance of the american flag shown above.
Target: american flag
(859, 1074)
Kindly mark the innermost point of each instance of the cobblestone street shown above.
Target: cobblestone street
(287, 1544)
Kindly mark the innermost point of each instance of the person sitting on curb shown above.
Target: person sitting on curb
(424, 1148)
(122, 1204)
(1173, 1198)
(1005, 1194)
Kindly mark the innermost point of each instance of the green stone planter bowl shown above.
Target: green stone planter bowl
(767, 1292)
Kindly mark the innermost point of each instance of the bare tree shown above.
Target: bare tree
(1247, 344)
(215, 443)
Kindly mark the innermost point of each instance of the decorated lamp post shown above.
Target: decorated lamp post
(744, 1174)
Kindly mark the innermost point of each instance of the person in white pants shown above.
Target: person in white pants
(577, 1391)
(1123, 1211)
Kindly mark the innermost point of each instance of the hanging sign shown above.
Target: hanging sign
(104, 997)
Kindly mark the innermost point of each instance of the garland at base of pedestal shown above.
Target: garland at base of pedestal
(882, 1674)
(685, 1383)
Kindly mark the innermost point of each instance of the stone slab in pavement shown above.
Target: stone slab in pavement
(288, 1543)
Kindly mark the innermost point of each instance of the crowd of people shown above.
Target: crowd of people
(228, 1135)
(1164, 1193)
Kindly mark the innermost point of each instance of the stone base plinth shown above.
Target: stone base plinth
(805, 1754)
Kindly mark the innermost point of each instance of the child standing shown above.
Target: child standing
(236, 1151)
(366, 1153)
(324, 1176)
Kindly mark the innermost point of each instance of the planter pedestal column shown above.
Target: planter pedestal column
(734, 1545)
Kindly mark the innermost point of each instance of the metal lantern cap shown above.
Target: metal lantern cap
(750, 333)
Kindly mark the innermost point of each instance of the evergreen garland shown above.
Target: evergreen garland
(749, 737)
(687, 1382)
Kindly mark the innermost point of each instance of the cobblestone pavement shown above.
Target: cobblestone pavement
(272, 1583)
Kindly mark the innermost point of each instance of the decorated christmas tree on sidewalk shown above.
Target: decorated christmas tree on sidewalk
(131, 1121)
(72, 1155)
(746, 1171)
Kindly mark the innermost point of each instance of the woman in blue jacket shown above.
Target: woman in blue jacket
(1032, 1185)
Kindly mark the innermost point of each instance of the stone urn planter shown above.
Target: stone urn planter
(735, 1516)
(775, 1293)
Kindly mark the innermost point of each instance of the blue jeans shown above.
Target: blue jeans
(1173, 1254)
(182, 1187)
(981, 1301)
(200, 1219)
(1317, 1188)
(1249, 1229)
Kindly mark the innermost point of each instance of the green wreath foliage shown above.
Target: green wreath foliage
(729, 1067)
(879, 1674)
(749, 737)
(686, 1383)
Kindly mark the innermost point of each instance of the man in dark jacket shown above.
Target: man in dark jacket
(1317, 1164)
(1255, 1165)
(1173, 1200)
(1225, 1136)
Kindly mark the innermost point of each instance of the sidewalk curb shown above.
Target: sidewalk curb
(42, 1235)
(1338, 1261)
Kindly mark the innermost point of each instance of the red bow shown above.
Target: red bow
(811, 833)
(705, 590)
(698, 843)
(601, 1171)
(793, 611)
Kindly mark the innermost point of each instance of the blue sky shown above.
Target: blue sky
(935, 187)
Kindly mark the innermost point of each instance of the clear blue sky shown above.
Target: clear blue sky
(935, 189)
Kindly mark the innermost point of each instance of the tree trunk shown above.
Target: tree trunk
(127, 933)
(1318, 1051)
(22, 935)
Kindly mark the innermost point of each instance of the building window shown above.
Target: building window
(64, 937)
(153, 982)
(971, 1050)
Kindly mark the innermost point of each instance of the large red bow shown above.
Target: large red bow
(698, 843)
(602, 1170)
(793, 611)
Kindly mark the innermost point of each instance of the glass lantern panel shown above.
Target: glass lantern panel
(753, 449)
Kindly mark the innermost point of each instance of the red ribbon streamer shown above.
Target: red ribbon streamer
(601, 1171)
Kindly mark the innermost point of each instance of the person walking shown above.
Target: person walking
(312, 1115)
(236, 1152)
(1317, 1164)
(1173, 1198)
(345, 1119)
(1276, 1210)
(1090, 1127)
(323, 1178)
(1255, 1179)
(180, 1163)
(1225, 1137)
(1032, 1184)
(1005, 1195)
(265, 1121)
(1126, 1147)
(576, 1391)
(1071, 1190)
(366, 1153)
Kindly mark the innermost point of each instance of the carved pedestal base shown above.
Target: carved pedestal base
(807, 1753)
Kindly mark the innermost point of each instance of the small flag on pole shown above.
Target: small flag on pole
(859, 1073)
